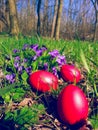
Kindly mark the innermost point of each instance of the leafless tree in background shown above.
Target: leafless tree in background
(28, 15)
(14, 28)
(45, 18)
(54, 18)
(70, 21)
(79, 19)
(95, 4)
(58, 19)
(38, 13)
(4, 15)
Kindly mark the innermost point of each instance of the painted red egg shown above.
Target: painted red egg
(43, 81)
(70, 73)
(72, 105)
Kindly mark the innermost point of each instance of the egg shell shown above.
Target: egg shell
(70, 73)
(72, 105)
(43, 81)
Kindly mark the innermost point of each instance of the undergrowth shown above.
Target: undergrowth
(24, 107)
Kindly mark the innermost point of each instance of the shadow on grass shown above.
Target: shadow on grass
(7, 125)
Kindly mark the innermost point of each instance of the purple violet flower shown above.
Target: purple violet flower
(29, 70)
(39, 52)
(61, 60)
(16, 64)
(25, 46)
(54, 53)
(54, 71)
(15, 50)
(34, 58)
(20, 68)
(34, 47)
(45, 66)
(17, 58)
(25, 60)
(43, 48)
(10, 77)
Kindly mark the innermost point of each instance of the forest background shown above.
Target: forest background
(67, 19)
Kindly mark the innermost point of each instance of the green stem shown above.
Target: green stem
(95, 89)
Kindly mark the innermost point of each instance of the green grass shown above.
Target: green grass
(81, 53)
(71, 49)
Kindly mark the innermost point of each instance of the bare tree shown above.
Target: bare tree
(54, 18)
(38, 13)
(58, 19)
(14, 27)
(83, 19)
(45, 18)
(95, 4)
(28, 12)
(33, 15)
(69, 23)
(4, 13)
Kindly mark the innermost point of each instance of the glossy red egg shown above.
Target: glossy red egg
(70, 73)
(72, 105)
(43, 81)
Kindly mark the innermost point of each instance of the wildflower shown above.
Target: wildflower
(20, 68)
(10, 78)
(34, 47)
(43, 48)
(15, 50)
(25, 60)
(39, 52)
(54, 53)
(61, 60)
(29, 70)
(17, 58)
(25, 46)
(54, 71)
(16, 64)
(34, 58)
(45, 67)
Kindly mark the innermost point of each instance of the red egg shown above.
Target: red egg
(70, 73)
(72, 105)
(43, 81)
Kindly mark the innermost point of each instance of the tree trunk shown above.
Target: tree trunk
(33, 12)
(96, 27)
(14, 27)
(96, 22)
(7, 14)
(54, 18)
(95, 4)
(58, 19)
(3, 14)
(28, 17)
(45, 18)
(0, 26)
(38, 13)
(69, 22)
(83, 29)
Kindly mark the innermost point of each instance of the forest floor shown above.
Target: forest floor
(21, 107)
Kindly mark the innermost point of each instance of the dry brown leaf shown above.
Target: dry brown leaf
(26, 101)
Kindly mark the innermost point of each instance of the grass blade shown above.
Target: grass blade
(83, 58)
(92, 61)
